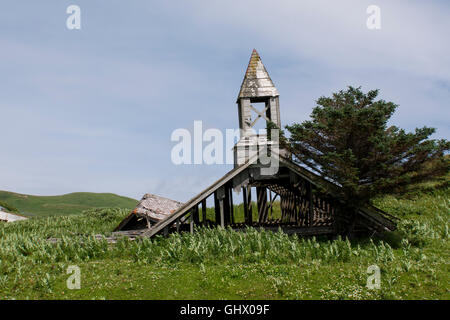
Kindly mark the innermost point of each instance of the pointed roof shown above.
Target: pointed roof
(374, 218)
(257, 82)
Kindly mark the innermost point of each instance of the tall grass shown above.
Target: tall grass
(27, 241)
(424, 227)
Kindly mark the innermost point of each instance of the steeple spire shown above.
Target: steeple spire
(258, 101)
(257, 82)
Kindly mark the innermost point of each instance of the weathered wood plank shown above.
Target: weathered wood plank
(261, 194)
(204, 211)
(222, 213)
(195, 214)
(249, 206)
(245, 204)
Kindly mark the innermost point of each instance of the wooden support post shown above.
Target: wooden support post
(216, 208)
(284, 203)
(249, 206)
(149, 224)
(271, 204)
(226, 205)
(195, 214)
(166, 231)
(300, 210)
(204, 211)
(231, 206)
(293, 208)
(289, 207)
(222, 214)
(309, 220)
(191, 222)
(245, 204)
(178, 224)
(261, 195)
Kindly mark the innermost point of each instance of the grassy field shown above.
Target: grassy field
(71, 203)
(223, 264)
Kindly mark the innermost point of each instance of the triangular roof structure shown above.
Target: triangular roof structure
(257, 82)
(370, 217)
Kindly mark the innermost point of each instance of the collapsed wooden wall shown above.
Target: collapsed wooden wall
(305, 208)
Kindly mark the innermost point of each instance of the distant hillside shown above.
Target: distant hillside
(65, 204)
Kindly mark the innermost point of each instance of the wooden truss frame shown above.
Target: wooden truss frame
(309, 204)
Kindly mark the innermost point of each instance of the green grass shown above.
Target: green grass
(223, 264)
(238, 212)
(67, 204)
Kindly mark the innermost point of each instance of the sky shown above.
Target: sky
(94, 109)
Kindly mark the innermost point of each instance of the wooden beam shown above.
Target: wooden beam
(226, 205)
(195, 213)
(297, 209)
(283, 205)
(260, 114)
(245, 204)
(248, 200)
(314, 231)
(291, 206)
(204, 211)
(231, 205)
(261, 194)
(294, 208)
(217, 208)
(309, 220)
(222, 214)
(271, 204)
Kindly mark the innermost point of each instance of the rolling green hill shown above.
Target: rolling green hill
(65, 204)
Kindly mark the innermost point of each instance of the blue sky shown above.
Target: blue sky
(93, 109)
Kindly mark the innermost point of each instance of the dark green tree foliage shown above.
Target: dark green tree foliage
(349, 142)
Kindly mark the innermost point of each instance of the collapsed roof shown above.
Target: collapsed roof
(149, 211)
(369, 218)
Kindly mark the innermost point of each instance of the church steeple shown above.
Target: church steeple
(257, 82)
(257, 87)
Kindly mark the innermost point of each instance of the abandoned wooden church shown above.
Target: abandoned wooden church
(310, 205)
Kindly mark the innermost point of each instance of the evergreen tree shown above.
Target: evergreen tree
(348, 141)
